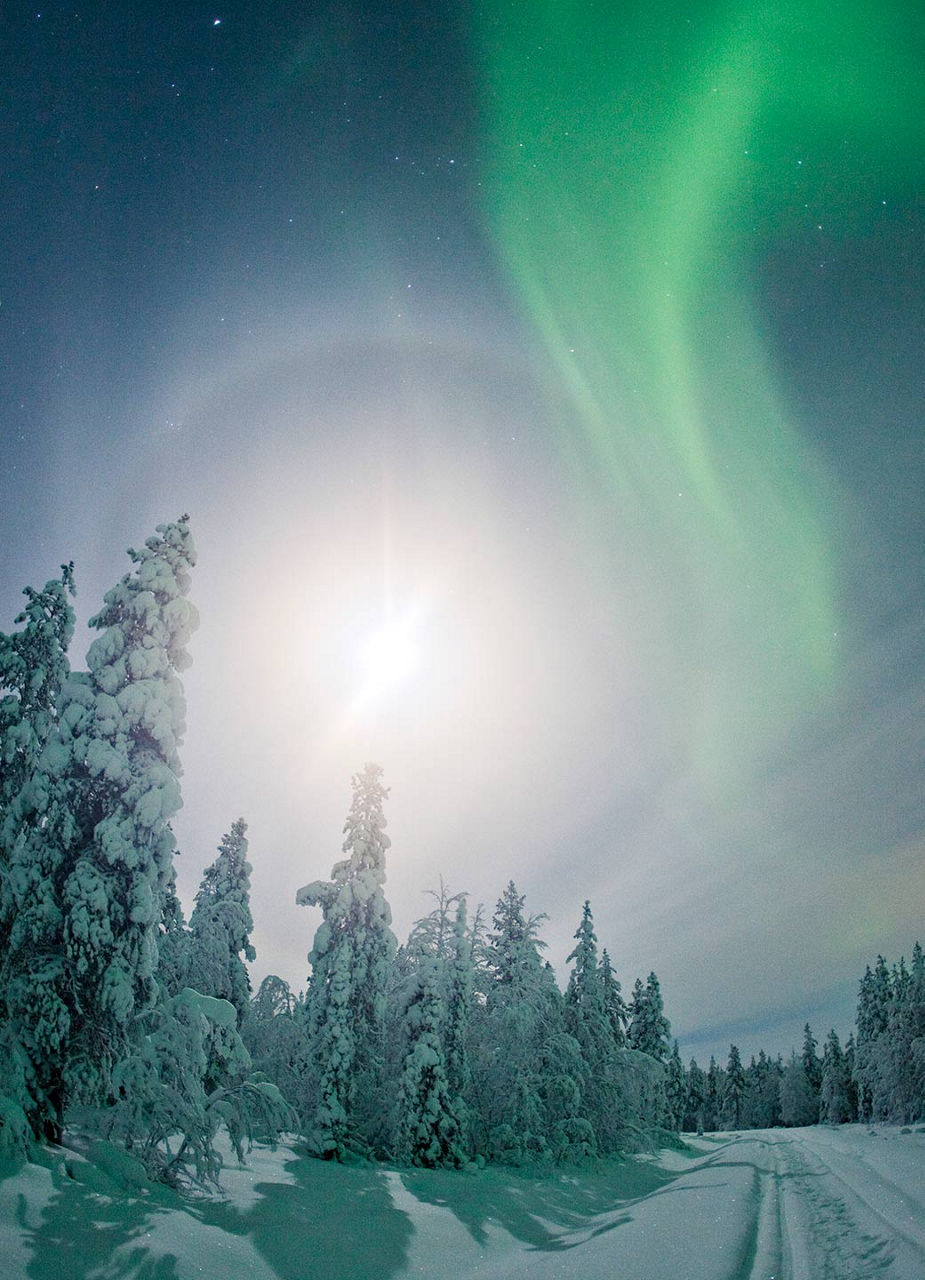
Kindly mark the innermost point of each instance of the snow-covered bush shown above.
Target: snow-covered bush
(190, 1075)
(274, 1032)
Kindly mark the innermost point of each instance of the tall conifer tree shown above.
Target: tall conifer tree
(649, 1028)
(615, 1009)
(734, 1089)
(220, 926)
(429, 1131)
(99, 841)
(33, 669)
(350, 959)
(522, 1011)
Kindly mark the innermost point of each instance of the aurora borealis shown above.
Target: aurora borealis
(592, 333)
(642, 167)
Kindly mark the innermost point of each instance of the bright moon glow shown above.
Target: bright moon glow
(390, 656)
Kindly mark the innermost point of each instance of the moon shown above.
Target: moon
(389, 656)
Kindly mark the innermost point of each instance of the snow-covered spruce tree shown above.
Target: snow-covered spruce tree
(798, 1102)
(889, 1059)
(97, 856)
(506, 1035)
(712, 1096)
(835, 1103)
(585, 1017)
(614, 1005)
(900, 1090)
(908, 1027)
(589, 1020)
(433, 934)
(458, 1006)
(428, 1131)
(442, 939)
(635, 1093)
(350, 960)
(675, 1090)
(761, 1102)
(33, 667)
(515, 1056)
(850, 1049)
(875, 1002)
(649, 1029)
(221, 923)
(734, 1090)
(812, 1067)
(695, 1092)
(172, 942)
(569, 1134)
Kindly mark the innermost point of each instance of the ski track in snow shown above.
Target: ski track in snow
(839, 1218)
(776, 1204)
(809, 1204)
(829, 1204)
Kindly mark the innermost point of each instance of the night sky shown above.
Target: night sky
(585, 340)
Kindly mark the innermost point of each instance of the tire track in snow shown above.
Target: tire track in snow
(904, 1241)
(880, 1195)
(764, 1261)
(812, 1225)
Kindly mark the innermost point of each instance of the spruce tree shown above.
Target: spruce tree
(513, 947)
(93, 868)
(675, 1090)
(903, 1071)
(458, 1005)
(649, 1029)
(220, 926)
(696, 1090)
(835, 1103)
(350, 959)
(889, 1059)
(712, 1096)
(433, 934)
(428, 1131)
(764, 1096)
(850, 1082)
(172, 943)
(913, 1032)
(798, 1102)
(585, 1018)
(33, 669)
(523, 1009)
(614, 1005)
(875, 1001)
(812, 1067)
(589, 1021)
(734, 1088)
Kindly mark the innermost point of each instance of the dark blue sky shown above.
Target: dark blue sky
(273, 265)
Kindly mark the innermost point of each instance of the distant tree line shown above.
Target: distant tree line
(879, 1074)
(457, 1046)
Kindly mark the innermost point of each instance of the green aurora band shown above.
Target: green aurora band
(642, 162)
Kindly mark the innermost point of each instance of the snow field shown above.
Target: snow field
(800, 1204)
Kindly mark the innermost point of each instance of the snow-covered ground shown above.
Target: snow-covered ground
(800, 1204)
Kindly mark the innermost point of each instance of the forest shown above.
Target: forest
(121, 1018)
